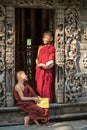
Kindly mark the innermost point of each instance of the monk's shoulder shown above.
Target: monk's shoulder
(39, 48)
(52, 47)
(17, 87)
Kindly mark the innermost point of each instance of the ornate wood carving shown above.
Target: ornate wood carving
(72, 50)
(10, 54)
(2, 56)
(59, 55)
(70, 44)
(75, 54)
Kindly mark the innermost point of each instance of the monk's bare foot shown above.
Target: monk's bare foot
(37, 123)
(26, 121)
(48, 124)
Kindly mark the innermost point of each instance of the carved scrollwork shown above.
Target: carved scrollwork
(2, 22)
(2, 89)
(59, 45)
(73, 84)
(24, 2)
(59, 55)
(72, 38)
(76, 87)
(10, 39)
(9, 99)
(9, 58)
(2, 55)
(2, 12)
(35, 2)
(59, 38)
(47, 2)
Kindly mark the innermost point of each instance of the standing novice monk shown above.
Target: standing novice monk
(27, 99)
(44, 68)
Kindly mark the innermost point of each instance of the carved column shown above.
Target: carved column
(59, 55)
(10, 55)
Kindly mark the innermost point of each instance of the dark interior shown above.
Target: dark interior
(30, 23)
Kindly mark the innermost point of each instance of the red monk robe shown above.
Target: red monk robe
(45, 78)
(35, 112)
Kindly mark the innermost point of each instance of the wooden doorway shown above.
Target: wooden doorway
(30, 23)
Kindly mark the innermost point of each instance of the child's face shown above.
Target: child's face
(23, 76)
(47, 39)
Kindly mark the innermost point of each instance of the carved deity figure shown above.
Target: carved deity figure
(74, 49)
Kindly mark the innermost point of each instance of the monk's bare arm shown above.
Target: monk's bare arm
(21, 95)
(38, 54)
(48, 65)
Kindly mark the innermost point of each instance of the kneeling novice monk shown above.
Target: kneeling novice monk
(27, 99)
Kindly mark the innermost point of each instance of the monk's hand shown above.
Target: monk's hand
(41, 65)
(36, 99)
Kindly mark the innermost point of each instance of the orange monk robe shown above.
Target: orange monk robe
(45, 78)
(30, 107)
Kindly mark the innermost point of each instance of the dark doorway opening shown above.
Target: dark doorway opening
(30, 24)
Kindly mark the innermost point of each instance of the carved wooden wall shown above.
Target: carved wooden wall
(7, 51)
(70, 45)
(71, 55)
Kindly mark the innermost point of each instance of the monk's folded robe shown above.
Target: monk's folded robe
(30, 107)
(45, 78)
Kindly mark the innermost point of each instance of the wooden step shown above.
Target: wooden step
(14, 116)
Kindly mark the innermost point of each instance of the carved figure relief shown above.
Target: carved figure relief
(76, 87)
(85, 34)
(84, 60)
